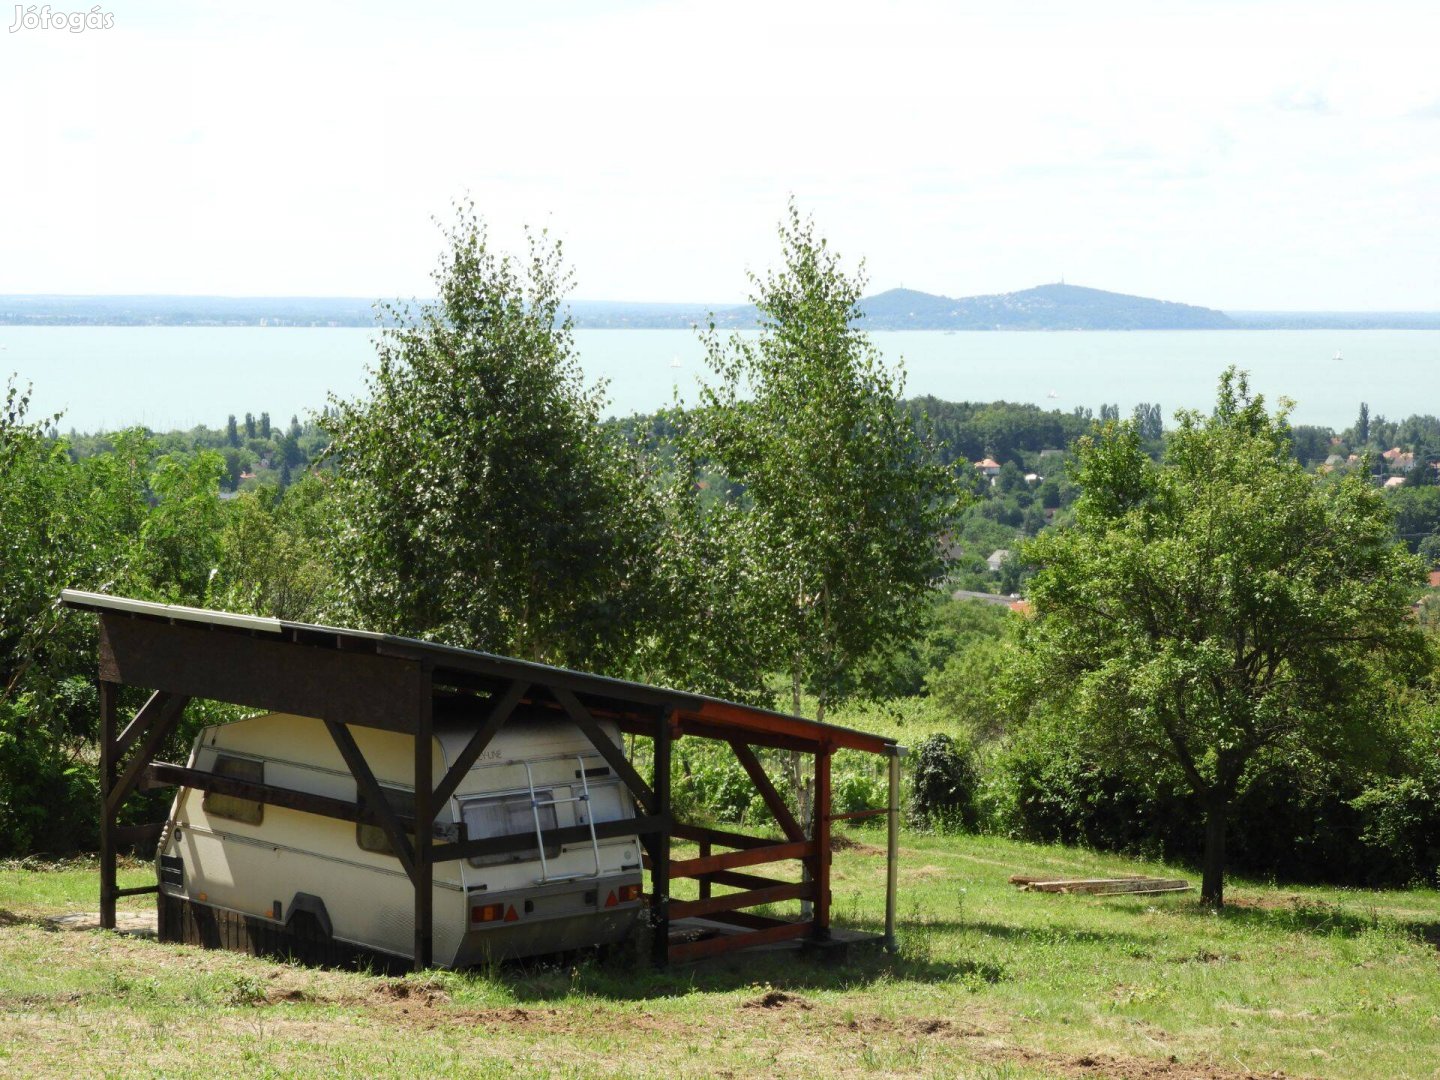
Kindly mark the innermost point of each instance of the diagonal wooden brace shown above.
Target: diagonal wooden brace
(773, 799)
(608, 750)
(372, 795)
(500, 711)
(157, 719)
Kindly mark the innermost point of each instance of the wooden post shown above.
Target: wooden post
(108, 774)
(822, 842)
(660, 847)
(424, 877)
(705, 850)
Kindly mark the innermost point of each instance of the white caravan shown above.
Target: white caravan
(282, 870)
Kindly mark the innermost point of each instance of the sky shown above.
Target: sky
(1237, 155)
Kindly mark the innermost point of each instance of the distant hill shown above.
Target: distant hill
(1045, 307)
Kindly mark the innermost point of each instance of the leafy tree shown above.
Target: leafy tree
(264, 425)
(845, 502)
(232, 431)
(1222, 612)
(482, 503)
(1310, 444)
(180, 537)
(249, 425)
(272, 552)
(1362, 425)
(1149, 422)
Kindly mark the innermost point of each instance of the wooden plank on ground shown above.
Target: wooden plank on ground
(1109, 886)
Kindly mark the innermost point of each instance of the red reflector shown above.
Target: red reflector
(629, 893)
(487, 913)
(610, 900)
(510, 915)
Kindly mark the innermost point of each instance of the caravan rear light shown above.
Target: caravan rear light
(483, 913)
(628, 894)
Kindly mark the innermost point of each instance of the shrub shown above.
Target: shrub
(945, 778)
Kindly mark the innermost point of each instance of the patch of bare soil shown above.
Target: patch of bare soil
(418, 993)
(1126, 1068)
(841, 842)
(777, 999)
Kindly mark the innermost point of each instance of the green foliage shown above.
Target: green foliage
(944, 781)
(272, 552)
(1401, 811)
(1222, 613)
(482, 504)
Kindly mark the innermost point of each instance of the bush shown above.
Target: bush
(945, 780)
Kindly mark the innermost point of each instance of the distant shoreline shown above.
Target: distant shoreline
(1055, 308)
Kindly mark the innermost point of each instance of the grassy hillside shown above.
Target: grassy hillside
(989, 983)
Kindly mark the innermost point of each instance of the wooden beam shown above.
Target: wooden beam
(773, 799)
(742, 721)
(157, 730)
(748, 919)
(360, 689)
(568, 834)
(737, 880)
(695, 950)
(108, 880)
(613, 754)
(731, 860)
(138, 890)
(424, 867)
(141, 721)
(702, 729)
(164, 774)
(661, 868)
(499, 712)
(689, 909)
(701, 834)
(370, 794)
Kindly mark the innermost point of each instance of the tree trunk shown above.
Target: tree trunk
(1212, 881)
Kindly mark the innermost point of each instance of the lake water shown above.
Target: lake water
(106, 377)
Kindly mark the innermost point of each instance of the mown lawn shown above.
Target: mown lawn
(989, 983)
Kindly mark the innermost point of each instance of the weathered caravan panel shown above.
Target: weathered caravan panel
(302, 873)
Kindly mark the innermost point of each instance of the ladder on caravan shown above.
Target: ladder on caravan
(536, 804)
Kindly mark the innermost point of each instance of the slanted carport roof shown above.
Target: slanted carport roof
(354, 678)
(692, 713)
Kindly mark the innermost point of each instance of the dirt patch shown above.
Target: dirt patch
(842, 842)
(418, 992)
(777, 999)
(1129, 1068)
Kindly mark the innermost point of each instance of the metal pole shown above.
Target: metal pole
(892, 849)
(821, 836)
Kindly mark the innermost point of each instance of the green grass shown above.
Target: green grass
(989, 982)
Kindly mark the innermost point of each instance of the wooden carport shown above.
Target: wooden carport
(350, 678)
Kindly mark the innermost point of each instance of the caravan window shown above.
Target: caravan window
(248, 811)
(508, 815)
(372, 837)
